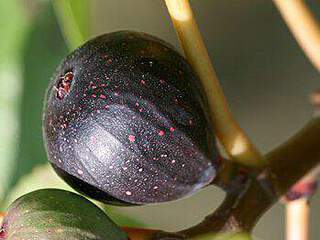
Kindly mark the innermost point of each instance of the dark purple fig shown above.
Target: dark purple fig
(124, 122)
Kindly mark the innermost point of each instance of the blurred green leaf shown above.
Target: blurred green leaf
(14, 26)
(43, 176)
(57, 214)
(73, 17)
(43, 49)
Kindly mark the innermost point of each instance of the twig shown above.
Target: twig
(287, 164)
(242, 209)
(302, 152)
(238, 212)
(294, 159)
(297, 198)
(297, 217)
(304, 27)
(236, 143)
(2, 214)
(298, 207)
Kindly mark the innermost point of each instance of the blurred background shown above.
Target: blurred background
(265, 75)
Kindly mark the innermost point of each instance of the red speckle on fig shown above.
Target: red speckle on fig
(161, 133)
(132, 138)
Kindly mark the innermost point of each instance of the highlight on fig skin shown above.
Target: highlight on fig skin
(132, 127)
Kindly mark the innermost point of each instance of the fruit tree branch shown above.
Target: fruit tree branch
(243, 207)
(304, 26)
(235, 141)
(1, 217)
(298, 197)
(258, 191)
(294, 159)
(297, 219)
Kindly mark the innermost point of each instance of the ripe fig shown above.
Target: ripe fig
(125, 121)
(52, 214)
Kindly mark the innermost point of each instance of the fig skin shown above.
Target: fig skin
(125, 122)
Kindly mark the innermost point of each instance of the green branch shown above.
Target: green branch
(73, 17)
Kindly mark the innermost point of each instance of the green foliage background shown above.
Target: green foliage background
(265, 75)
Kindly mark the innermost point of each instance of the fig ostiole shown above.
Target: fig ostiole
(52, 214)
(125, 122)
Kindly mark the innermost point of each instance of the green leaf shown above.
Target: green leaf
(54, 214)
(43, 176)
(73, 17)
(43, 49)
(13, 25)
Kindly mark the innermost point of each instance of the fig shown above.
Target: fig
(52, 214)
(125, 122)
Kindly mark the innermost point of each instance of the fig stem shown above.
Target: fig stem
(287, 164)
(298, 210)
(235, 141)
(304, 26)
(297, 219)
(291, 161)
(2, 214)
(243, 207)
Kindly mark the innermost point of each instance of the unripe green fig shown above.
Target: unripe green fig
(52, 214)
